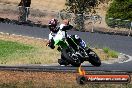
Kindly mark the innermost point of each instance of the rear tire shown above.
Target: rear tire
(63, 60)
(74, 61)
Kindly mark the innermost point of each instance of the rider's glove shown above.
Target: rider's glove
(67, 27)
(51, 44)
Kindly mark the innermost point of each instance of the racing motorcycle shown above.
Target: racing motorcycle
(72, 53)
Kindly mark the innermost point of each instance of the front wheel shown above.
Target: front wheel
(93, 58)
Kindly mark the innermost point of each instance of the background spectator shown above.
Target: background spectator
(24, 7)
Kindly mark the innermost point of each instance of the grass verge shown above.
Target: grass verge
(16, 79)
(10, 51)
(18, 50)
(111, 53)
(8, 48)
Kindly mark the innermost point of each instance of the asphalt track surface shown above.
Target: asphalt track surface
(122, 44)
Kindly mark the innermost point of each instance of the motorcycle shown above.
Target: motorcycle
(72, 53)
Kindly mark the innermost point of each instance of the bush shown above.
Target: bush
(119, 9)
(111, 53)
(106, 50)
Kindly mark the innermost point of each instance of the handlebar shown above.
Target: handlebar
(69, 27)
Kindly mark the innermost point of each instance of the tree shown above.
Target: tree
(119, 9)
(81, 7)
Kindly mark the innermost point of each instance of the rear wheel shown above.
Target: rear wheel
(93, 58)
(73, 59)
(63, 60)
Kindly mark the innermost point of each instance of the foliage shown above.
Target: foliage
(80, 7)
(120, 9)
(106, 50)
(111, 53)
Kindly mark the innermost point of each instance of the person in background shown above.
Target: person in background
(24, 10)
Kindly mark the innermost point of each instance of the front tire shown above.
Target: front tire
(93, 58)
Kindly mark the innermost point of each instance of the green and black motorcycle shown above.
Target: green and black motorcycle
(72, 53)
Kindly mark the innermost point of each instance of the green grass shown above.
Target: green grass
(9, 49)
(26, 52)
(111, 53)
